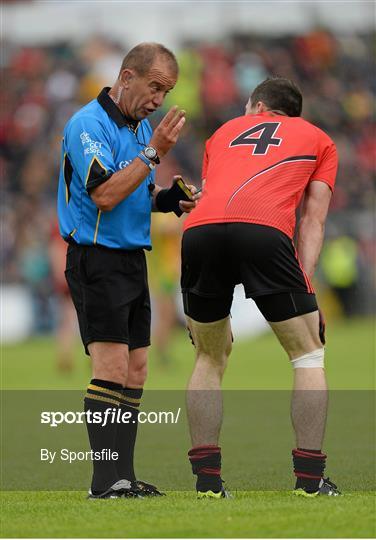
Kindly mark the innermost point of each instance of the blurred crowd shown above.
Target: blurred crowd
(45, 85)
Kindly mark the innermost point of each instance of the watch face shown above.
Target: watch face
(150, 152)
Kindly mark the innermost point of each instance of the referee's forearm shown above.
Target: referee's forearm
(119, 186)
(310, 239)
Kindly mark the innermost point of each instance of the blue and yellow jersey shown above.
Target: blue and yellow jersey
(99, 141)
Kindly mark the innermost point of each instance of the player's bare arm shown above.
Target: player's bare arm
(124, 182)
(312, 224)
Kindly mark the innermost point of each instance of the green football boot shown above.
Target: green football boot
(326, 487)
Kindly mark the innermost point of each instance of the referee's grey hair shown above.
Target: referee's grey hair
(142, 57)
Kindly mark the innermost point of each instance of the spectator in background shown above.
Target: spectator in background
(187, 89)
(66, 330)
(46, 84)
(218, 86)
(164, 272)
(339, 263)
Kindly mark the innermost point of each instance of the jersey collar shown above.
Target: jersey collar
(270, 113)
(114, 112)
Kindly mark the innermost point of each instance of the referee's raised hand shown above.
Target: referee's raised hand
(167, 132)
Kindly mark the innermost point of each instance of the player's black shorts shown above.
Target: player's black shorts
(110, 292)
(218, 256)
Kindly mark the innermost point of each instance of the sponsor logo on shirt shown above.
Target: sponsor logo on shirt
(90, 146)
(124, 163)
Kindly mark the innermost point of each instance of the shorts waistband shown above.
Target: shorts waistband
(71, 242)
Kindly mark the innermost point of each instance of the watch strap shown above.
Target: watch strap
(147, 161)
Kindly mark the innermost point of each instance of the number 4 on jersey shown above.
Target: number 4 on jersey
(261, 143)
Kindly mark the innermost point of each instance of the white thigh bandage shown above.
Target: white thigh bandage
(310, 360)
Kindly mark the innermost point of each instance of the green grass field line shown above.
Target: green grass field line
(257, 363)
(249, 514)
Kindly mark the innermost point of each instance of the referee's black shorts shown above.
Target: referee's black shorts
(218, 256)
(110, 292)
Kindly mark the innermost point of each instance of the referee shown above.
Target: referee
(105, 198)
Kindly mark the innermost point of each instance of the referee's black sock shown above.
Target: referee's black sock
(102, 395)
(126, 433)
(206, 464)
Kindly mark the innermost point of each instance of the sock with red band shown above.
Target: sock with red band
(309, 468)
(206, 464)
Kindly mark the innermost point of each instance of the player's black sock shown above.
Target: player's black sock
(102, 395)
(309, 468)
(206, 463)
(126, 433)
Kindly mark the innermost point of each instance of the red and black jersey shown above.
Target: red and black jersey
(257, 167)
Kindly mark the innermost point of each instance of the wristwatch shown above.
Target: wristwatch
(147, 161)
(151, 154)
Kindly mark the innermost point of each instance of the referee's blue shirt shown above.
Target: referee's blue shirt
(98, 141)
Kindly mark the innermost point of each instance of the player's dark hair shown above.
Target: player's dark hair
(279, 94)
(142, 57)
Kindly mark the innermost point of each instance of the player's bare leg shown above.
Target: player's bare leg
(66, 334)
(299, 337)
(204, 396)
(164, 326)
(204, 402)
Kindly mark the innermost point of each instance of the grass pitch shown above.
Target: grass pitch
(249, 514)
(255, 364)
(258, 363)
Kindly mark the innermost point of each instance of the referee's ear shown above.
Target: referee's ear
(126, 76)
